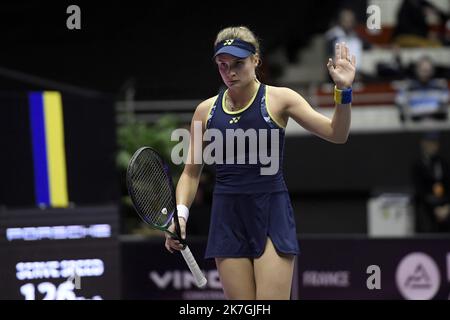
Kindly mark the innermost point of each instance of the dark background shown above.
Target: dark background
(165, 47)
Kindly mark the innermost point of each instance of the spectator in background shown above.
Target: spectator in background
(431, 178)
(413, 29)
(344, 31)
(424, 96)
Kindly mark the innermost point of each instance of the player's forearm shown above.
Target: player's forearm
(342, 71)
(187, 188)
(341, 122)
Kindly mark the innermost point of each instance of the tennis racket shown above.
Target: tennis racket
(152, 193)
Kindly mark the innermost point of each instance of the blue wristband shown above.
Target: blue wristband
(342, 96)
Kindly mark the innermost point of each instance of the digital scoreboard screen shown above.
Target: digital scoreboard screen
(59, 254)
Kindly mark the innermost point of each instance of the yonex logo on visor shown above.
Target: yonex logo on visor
(236, 47)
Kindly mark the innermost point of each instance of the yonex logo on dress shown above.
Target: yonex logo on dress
(234, 119)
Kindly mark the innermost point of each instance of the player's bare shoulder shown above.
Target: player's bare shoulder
(203, 108)
(279, 99)
(281, 95)
(205, 105)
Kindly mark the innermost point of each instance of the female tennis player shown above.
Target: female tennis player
(252, 232)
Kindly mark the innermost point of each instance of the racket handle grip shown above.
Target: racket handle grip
(200, 279)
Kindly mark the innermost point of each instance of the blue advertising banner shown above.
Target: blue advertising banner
(149, 271)
(362, 268)
(328, 268)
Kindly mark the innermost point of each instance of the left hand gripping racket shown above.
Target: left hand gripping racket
(152, 193)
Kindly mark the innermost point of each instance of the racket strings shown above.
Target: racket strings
(152, 190)
(148, 178)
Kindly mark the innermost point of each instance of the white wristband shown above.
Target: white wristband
(183, 212)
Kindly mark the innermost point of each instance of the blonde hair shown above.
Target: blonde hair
(240, 32)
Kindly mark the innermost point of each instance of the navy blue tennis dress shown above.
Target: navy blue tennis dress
(248, 207)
